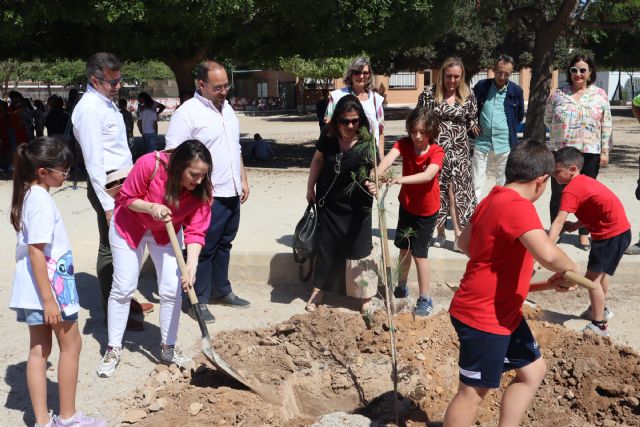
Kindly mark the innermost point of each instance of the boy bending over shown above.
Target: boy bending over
(600, 211)
(502, 239)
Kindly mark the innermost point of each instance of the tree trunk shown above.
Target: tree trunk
(543, 51)
(183, 70)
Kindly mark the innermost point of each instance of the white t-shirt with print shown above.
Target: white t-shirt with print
(42, 223)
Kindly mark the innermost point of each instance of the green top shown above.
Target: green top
(493, 122)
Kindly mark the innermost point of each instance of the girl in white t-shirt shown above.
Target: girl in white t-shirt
(44, 291)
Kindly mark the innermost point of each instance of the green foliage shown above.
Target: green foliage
(322, 69)
(141, 72)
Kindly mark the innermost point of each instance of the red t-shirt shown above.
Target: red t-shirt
(497, 277)
(419, 199)
(595, 206)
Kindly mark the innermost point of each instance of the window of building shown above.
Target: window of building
(427, 78)
(263, 89)
(310, 83)
(402, 80)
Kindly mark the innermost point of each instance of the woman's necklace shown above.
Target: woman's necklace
(577, 93)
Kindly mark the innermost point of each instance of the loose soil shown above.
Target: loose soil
(330, 361)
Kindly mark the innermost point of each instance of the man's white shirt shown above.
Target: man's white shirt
(99, 128)
(219, 131)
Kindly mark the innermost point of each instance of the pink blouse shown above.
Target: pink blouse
(193, 215)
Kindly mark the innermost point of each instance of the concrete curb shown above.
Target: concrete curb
(279, 268)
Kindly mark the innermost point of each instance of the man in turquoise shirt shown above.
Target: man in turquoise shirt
(635, 107)
(500, 110)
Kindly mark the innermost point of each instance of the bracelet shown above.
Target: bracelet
(605, 154)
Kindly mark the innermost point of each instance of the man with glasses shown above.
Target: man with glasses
(209, 118)
(500, 111)
(99, 128)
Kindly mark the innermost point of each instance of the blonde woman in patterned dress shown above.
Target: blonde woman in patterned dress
(579, 115)
(454, 104)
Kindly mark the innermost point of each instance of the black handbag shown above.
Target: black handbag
(304, 241)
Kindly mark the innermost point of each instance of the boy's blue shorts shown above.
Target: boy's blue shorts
(484, 356)
(36, 317)
(605, 255)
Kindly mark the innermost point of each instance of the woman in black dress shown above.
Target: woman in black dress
(456, 107)
(344, 210)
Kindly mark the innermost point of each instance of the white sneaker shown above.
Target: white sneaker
(109, 362)
(593, 329)
(173, 355)
(81, 420)
(438, 241)
(608, 314)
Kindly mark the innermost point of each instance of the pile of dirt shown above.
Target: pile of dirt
(331, 361)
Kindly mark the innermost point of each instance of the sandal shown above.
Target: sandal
(314, 300)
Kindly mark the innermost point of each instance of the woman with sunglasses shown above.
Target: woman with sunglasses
(358, 82)
(344, 209)
(579, 115)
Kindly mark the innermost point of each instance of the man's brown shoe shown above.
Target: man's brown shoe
(140, 307)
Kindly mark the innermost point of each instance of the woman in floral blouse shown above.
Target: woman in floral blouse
(456, 107)
(579, 115)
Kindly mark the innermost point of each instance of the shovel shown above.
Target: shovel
(571, 278)
(213, 357)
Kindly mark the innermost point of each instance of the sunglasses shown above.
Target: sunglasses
(346, 122)
(112, 83)
(575, 70)
(360, 73)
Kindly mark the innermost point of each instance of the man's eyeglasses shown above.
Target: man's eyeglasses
(220, 88)
(576, 70)
(360, 73)
(346, 122)
(112, 83)
(64, 174)
(503, 74)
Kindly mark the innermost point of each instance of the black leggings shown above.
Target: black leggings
(590, 168)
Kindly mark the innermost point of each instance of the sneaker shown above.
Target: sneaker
(438, 241)
(207, 316)
(633, 249)
(172, 355)
(608, 314)
(232, 300)
(80, 420)
(593, 329)
(401, 291)
(52, 420)
(109, 362)
(424, 306)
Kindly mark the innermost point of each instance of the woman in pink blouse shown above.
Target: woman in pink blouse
(162, 187)
(579, 115)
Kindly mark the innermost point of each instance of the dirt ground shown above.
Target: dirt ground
(327, 361)
(331, 361)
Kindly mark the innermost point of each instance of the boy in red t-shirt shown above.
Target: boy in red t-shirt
(419, 200)
(600, 212)
(502, 239)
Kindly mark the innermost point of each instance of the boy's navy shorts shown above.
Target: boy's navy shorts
(605, 254)
(421, 231)
(484, 356)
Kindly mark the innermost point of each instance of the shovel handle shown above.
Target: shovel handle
(181, 264)
(570, 276)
